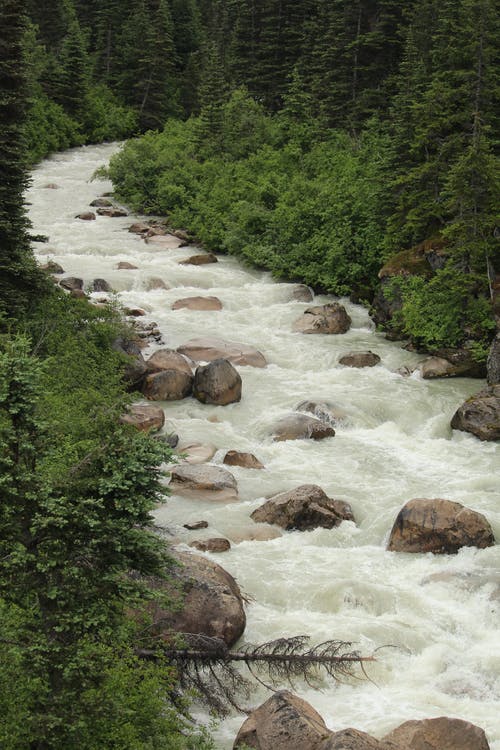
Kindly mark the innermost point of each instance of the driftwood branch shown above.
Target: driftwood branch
(211, 668)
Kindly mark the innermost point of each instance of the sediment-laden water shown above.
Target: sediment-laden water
(438, 614)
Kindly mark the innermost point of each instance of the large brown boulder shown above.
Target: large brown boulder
(330, 318)
(283, 722)
(217, 383)
(145, 417)
(304, 508)
(71, 283)
(480, 414)
(208, 597)
(247, 460)
(207, 349)
(360, 359)
(299, 426)
(198, 303)
(168, 359)
(439, 734)
(353, 739)
(167, 385)
(323, 410)
(204, 482)
(439, 526)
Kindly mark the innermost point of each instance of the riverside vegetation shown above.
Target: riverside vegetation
(323, 142)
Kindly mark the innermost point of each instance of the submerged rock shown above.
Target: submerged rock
(124, 265)
(246, 460)
(323, 410)
(112, 212)
(199, 260)
(439, 526)
(299, 426)
(360, 359)
(86, 216)
(214, 544)
(198, 303)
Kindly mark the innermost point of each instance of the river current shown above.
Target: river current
(437, 615)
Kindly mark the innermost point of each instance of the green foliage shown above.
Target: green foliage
(447, 310)
(104, 118)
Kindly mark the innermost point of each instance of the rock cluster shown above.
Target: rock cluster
(304, 508)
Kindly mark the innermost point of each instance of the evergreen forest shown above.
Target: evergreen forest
(352, 146)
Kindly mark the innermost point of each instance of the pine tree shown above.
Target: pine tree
(19, 277)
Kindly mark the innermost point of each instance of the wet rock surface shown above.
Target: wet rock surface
(331, 318)
(298, 426)
(304, 508)
(480, 414)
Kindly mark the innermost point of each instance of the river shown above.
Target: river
(439, 615)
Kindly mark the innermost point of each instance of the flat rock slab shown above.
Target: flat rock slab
(145, 417)
(198, 303)
(204, 481)
(164, 241)
(480, 414)
(442, 733)
(299, 426)
(196, 453)
(359, 359)
(304, 508)
(439, 526)
(326, 411)
(207, 349)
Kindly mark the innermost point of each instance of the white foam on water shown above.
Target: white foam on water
(432, 621)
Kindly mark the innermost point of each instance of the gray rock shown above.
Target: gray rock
(331, 318)
(207, 349)
(304, 508)
(299, 426)
(71, 283)
(203, 481)
(360, 359)
(101, 285)
(480, 414)
(217, 383)
(442, 733)
(493, 362)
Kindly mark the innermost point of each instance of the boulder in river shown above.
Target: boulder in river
(124, 265)
(323, 410)
(112, 212)
(167, 385)
(195, 453)
(214, 544)
(301, 293)
(299, 426)
(246, 460)
(155, 282)
(217, 383)
(442, 733)
(439, 526)
(201, 259)
(304, 508)
(86, 216)
(353, 739)
(163, 241)
(198, 303)
(359, 359)
(101, 285)
(204, 482)
(145, 417)
(480, 414)
(101, 203)
(139, 227)
(209, 600)
(330, 318)
(52, 267)
(207, 349)
(168, 359)
(283, 722)
(71, 283)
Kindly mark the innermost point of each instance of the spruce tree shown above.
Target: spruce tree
(19, 278)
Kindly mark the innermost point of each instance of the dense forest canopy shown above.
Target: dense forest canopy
(350, 145)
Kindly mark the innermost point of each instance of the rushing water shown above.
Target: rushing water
(439, 614)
